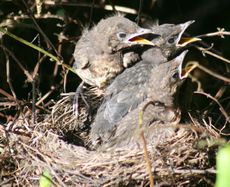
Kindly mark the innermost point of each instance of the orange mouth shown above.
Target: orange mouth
(140, 40)
(187, 40)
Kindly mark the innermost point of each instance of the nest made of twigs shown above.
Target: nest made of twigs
(184, 159)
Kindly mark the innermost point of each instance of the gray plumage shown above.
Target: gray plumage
(134, 87)
(130, 91)
(99, 52)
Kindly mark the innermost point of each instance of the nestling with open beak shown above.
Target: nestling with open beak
(133, 87)
(99, 53)
(117, 118)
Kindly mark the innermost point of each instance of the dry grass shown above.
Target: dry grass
(181, 160)
(41, 132)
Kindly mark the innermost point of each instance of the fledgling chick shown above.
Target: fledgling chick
(130, 91)
(99, 52)
(121, 97)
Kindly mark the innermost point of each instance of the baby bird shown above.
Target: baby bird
(130, 89)
(99, 54)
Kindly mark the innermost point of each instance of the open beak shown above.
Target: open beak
(183, 41)
(187, 40)
(142, 37)
(140, 40)
(180, 59)
(184, 72)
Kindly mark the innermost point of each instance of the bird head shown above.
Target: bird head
(171, 38)
(117, 33)
(166, 78)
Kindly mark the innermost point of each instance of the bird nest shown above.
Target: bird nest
(184, 159)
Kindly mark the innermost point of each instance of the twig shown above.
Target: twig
(29, 77)
(139, 11)
(217, 102)
(34, 101)
(29, 44)
(52, 89)
(113, 5)
(191, 171)
(195, 64)
(53, 58)
(141, 115)
(221, 32)
(3, 92)
(205, 51)
(7, 181)
(106, 7)
(39, 7)
(39, 28)
(218, 95)
(8, 76)
(15, 20)
(26, 147)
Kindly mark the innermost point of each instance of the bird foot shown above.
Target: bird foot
(78, 93)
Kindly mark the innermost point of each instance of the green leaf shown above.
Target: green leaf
(223, 167)
(45, 179)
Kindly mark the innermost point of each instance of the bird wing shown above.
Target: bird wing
(125, 93)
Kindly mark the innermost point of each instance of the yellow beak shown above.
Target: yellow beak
(187, 40)
(140, 40)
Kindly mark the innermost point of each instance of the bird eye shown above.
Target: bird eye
(175, 75)
(171, 40)
(121, 35)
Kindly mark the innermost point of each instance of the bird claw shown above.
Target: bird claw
(75, 108)
(78, 93)
(76, 99)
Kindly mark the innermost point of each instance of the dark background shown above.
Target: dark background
(68, 18)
